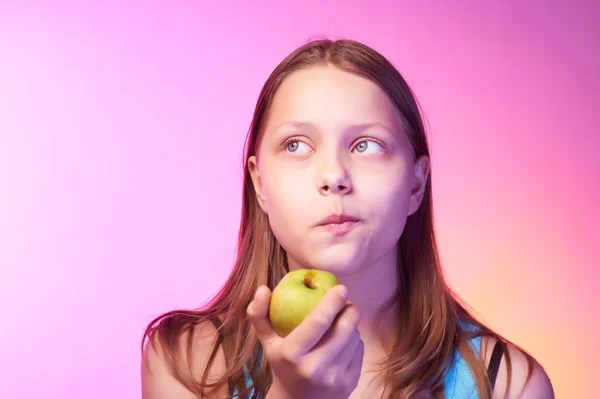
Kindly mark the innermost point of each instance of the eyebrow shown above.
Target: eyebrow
(356, 127)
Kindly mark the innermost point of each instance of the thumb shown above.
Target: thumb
(258, 314)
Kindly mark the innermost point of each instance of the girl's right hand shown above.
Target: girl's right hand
(322, 357)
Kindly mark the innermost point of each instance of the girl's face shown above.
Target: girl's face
(334, 144)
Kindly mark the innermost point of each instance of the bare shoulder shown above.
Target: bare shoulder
(158, 380)
(526, 382)
(537, 386)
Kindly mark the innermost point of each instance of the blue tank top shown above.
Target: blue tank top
(458, 384)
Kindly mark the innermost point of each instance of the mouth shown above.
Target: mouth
(338, 224)
(337, 219)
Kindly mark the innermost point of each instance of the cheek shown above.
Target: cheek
(389, 211)
(288, 202)
(386, 196)
(287, 185)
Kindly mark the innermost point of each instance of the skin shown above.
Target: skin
(334, 143)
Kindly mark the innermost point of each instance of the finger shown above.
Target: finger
(258, 314)
(336, 340)
(355, 367)
(310, 331)
(341, 363)
(344, 358)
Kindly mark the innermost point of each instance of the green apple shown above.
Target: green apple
(296, 295)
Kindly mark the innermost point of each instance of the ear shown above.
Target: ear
(420, 178)
(258, 188)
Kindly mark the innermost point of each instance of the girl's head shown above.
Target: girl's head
(337, 131)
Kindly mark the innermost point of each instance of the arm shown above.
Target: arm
(159, 383)
(538, 386)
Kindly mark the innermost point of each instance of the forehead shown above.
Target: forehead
(331, 98)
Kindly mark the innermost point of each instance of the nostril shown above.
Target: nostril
(329, 189)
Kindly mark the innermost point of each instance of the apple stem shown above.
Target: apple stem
(309, 280)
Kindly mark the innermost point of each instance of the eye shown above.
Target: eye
(295, 146)
(368, 147)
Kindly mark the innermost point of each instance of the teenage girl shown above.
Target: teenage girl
(337, 177)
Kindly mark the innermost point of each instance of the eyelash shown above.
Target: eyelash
(297, 138)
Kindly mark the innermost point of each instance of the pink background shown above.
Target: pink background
(121, 132)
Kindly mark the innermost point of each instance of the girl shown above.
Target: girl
(337, 177)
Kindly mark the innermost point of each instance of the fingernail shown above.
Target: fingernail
(342, 291)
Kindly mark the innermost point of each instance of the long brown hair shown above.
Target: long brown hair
(431, 313)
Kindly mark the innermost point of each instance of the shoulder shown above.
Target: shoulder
(528, 378)
(169, 373)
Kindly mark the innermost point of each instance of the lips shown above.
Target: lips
(338, 225)
(337, 219)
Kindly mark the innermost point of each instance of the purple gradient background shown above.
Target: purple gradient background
(121, 133)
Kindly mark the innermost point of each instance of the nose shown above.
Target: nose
(335, 179)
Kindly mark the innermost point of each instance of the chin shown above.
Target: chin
(336, 262)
